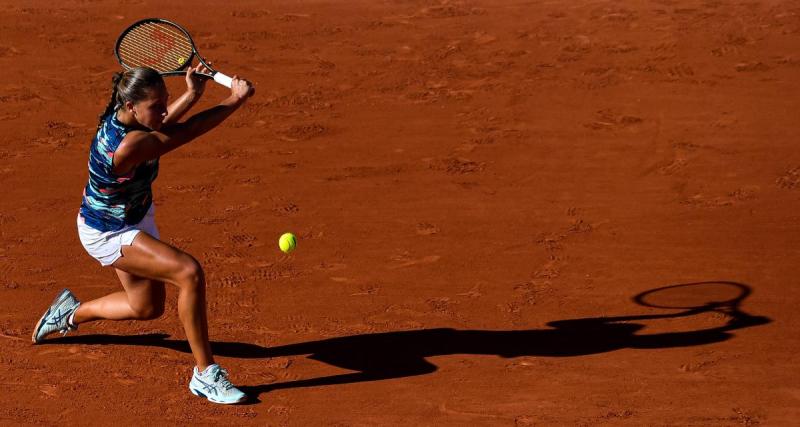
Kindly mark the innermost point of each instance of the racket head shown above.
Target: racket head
(155, 43)
(699, 296)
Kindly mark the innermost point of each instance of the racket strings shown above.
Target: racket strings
(136, 57)
(167, 34)
(140, 50)
(161, 34)
(155, 45)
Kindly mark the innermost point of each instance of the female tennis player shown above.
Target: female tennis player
(116, 223)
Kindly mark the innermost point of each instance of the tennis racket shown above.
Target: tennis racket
(702, 296)
(163, 46)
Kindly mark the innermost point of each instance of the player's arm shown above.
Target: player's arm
(195, 86)
(141, 146)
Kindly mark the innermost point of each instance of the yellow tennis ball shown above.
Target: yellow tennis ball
(287, 242)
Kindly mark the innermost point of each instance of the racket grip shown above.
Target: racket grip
(223, 79)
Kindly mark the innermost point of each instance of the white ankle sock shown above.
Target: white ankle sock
(71, 321)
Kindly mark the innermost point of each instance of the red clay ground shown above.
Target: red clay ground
(459, 174)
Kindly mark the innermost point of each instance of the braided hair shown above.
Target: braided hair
(133, 85)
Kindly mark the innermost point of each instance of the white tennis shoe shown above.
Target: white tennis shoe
(213, 384)
(56, 318)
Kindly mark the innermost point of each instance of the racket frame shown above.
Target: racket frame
(732, 303)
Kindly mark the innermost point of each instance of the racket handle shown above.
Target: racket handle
(223, 79)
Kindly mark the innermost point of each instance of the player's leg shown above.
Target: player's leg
(142, 299)
(148, 257)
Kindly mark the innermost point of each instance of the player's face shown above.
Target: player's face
(151, 111)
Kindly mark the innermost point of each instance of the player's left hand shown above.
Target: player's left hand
(194, 82)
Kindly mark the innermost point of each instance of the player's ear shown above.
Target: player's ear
(129, 106)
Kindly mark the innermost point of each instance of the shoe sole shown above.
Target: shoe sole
(200, 394)
(60, 298)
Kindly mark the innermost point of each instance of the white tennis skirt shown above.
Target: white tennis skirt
(106, 246)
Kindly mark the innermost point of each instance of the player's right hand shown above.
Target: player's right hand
(195, 83)
(242, 88)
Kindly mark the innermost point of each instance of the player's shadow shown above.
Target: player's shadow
(388, 355)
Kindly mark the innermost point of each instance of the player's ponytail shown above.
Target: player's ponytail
(133, 85)
(112, 103)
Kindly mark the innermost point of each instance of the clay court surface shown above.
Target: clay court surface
(480, 191)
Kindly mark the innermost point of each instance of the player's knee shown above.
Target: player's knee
(148, 311)
(191, 274)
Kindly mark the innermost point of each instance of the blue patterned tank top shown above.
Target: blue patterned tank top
(110, 201)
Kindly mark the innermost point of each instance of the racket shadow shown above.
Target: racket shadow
(399, 354)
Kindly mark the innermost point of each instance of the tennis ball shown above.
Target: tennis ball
(287, 242)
